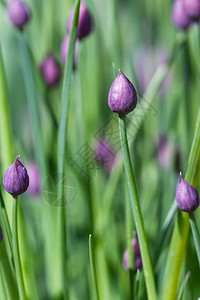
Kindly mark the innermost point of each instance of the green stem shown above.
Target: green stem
(6, 140)
(195, 233)
(62, 130)
(16, 254)
(181, 229)
(134, 201)
(33, 105)
(93, 268)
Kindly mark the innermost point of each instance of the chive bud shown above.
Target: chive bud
(192, 8)
(187, 197)
(178, 16)
(136, 255)
(34, 179)
(104, 155)
(15, 179)
(164, 152)
(50, 71)
(122, 97)
(18, 13)
(85, 22)
(64, 50)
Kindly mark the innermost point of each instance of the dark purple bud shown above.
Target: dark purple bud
(85, 23)
(34, 179)
(18, 13)
(192, 8)
(1, 235)
(187, 197)
(122, 97)
(64, 50)
(104, 155)
(50, 71)
(164, 152)
(179, 17)
(15, 179)
(136, 254)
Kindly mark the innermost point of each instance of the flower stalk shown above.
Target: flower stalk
(134, 201)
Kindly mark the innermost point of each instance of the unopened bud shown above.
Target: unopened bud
(187, 197)
(122, 97)
(15, 179)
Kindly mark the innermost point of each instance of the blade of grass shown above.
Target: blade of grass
(93, 268)
(196, 237)
(181, 229)
(6, 143)
(61, 146)
(183, 285)
(134, 202)
(32, 105)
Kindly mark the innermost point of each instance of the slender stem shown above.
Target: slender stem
(93, 268)
(61, 145)
(16, 254)
(50, 109)
(195, 233)
(134, 201)
(33, 105)
(181, 229)
(129, 244)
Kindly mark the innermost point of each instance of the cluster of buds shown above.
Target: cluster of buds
(136, 256)
(85, 26)
(185, 12)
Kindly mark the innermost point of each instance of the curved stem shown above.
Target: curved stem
(134, 201)
(16, 254)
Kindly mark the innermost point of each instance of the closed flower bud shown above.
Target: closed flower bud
(15, 179)
(179, 17)
(85, 23)
(104, 155)
(34, 179)
(18, 13)
(187, 196)
(50, 71)
(136, 254)
(192, 8)
(64, 50)
(164, 152)
(122, 97)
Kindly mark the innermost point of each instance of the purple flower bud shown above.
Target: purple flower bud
(105, 155)
(122, 97)
(136, 254)
(50, 71)
(187, 197)
(192, 8)
(164, 152)
(15, 179)
(64, 50)
(1, 235)
(85, 23)
(179, 17)
(18, 13)
(34, 179)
